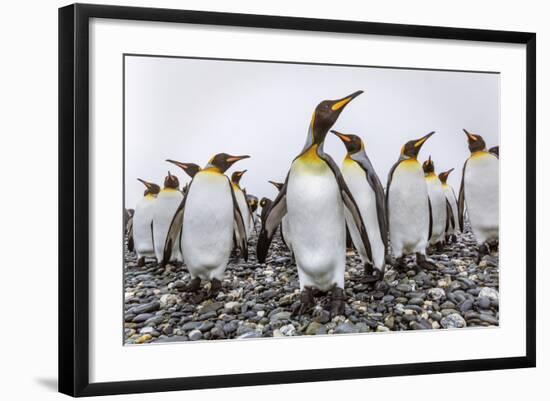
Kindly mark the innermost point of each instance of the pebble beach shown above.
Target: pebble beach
(257, 300)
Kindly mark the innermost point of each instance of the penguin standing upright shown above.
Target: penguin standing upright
(438, 204)
(285, 226)
(142, 222)
(313, 197)
(368, 192)
(241, 200)
(408, 205)
(166, 205)
(208, 218)
(452, 228)
(479, 194)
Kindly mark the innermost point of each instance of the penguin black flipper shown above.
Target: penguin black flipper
(349, 202)
(239, 227)
(130, 230)
(450, 216)
(461, 200)
(174, 232)
(431, 219)
(378, 189)
(390, 177)
(272, 219)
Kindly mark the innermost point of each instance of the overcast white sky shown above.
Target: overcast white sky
(189, 110)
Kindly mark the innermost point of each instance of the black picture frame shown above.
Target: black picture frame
(74, 198)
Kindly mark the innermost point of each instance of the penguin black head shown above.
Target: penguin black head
(236, 176)
(222, 161)
(252, 202)
(171, 181)
(151, 188)
(353, 143)
(475, 142)
(278, 185)
(190, 168)
(494, 150)
(444, 175)
(265, 202)
(325, 115)
(428, 166)
(410, 149)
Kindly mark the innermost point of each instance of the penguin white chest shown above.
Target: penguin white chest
(143, 219)
(167, 203)
(451, 198)
(207, 232)
(243, 208)
(409, 217)
(316, 214)
(365, 197)
(438, 207)
(481, 191)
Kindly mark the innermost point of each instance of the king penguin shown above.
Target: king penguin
(142, 222)
(208, 218)
(368, 192)
(408, 205)
(241, 200)
(452, 207)
(285, 226)
(313, 197)
(479, 194)
(494, 150)
(166, 205)
(438, 204)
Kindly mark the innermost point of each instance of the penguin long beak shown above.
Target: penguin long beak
(343, 137)
(418, 144)
(450, 171)
(277, 185)
(471, 137)
(181, 165)
(233, 159)
(339, 104)
(147, 184)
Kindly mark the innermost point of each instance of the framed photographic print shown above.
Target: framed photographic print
(276, 199)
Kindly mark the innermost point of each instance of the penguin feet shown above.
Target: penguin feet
(439, 246)
(337, 302)
(141, 262)
(215, 287)
(372, 275)
(482, 250)
(193, 286)
(400, 264)
(307, 302)
(453, 239)
(423, 263)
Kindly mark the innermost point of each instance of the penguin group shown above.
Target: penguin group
(315, 209)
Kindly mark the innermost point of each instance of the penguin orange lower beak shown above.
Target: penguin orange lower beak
(338, 104)
(233, 159)
(147, 184)
(471, 137)
(181, 165)
(343, 137)
(418, 144)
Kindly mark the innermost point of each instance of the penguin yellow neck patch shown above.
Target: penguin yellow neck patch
(431, 176)
(311, 161)
(169, 190)
(149, 196)
(211, 170)
(479, 154)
